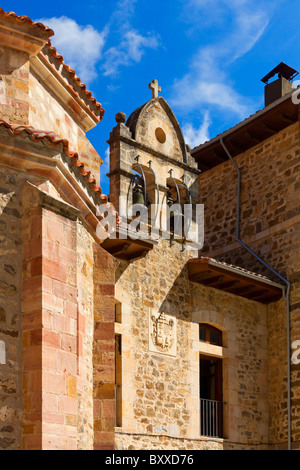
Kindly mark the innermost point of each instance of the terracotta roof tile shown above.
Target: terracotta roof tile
(72, 74)
(51, 138)
(52, 50)
(25, 19)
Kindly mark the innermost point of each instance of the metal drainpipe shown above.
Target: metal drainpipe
(287, 290)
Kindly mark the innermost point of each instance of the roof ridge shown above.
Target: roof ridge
(52, 49)
(26, 19)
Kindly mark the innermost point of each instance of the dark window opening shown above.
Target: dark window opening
(211, 406)
(118, 380)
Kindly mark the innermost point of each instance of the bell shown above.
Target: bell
(138, 195)
(170, 201)
(176, 219)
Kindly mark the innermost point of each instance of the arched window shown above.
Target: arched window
(210, 334)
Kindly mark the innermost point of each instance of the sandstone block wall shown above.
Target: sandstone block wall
(160, 393)
(270, 218)
(53, 302)
(14, 87)
(26, 99)
(46, 113)
(11, 402)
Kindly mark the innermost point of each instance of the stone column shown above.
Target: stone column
(121, 160)
(49, 306)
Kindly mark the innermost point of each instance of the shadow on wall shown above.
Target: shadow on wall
(10, 312)
(11, 60)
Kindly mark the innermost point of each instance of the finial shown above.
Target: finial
(120, 118)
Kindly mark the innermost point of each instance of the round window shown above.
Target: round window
(160, 135)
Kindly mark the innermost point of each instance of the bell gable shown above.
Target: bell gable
(155, 125)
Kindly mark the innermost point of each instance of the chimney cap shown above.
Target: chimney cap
(283, 70)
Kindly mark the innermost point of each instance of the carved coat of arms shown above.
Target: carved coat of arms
(162, 329)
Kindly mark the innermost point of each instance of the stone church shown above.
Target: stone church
(113, 336)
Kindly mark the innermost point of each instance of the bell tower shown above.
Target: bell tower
(151, 166)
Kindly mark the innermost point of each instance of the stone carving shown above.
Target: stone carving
(162, 333)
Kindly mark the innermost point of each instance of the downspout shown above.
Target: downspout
(287, 290)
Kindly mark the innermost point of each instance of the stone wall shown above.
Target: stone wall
(26, 100)
(270, 221)
(48, 309)
(11, 402)
(84, 260)
(46, 113)
(14, 86)
(104, 349)
(269, 203)
(127, 441)
(160, 392)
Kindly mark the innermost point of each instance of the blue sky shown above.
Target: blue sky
(208, 55)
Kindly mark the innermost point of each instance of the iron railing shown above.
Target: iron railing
(211, 413)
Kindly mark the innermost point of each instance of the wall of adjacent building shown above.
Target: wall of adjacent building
(270, 218)
(56, 363)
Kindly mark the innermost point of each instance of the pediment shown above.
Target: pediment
(155, 125)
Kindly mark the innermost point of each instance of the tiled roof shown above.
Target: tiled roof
(234, 280)
(231, 266)
(244, 122)
(72, 74)
(52, 139)
(25, 19)
(99, 111)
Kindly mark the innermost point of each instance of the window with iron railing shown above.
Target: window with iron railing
(211, 405)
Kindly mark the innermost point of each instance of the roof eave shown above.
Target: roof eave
(249, 132)
(231, 279)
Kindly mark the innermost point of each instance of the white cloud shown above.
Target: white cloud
(129, 51)
(191, 92)
(207, 81)
(81, 46)
(123, 13)
(130, 45)
(195, 137)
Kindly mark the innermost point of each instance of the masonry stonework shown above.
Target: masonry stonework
(118, 343)
(167, 408)
(270, 227)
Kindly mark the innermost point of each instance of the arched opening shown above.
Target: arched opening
(178, 196)
(145, 192)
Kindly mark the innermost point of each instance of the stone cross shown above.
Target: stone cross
(155, 88)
